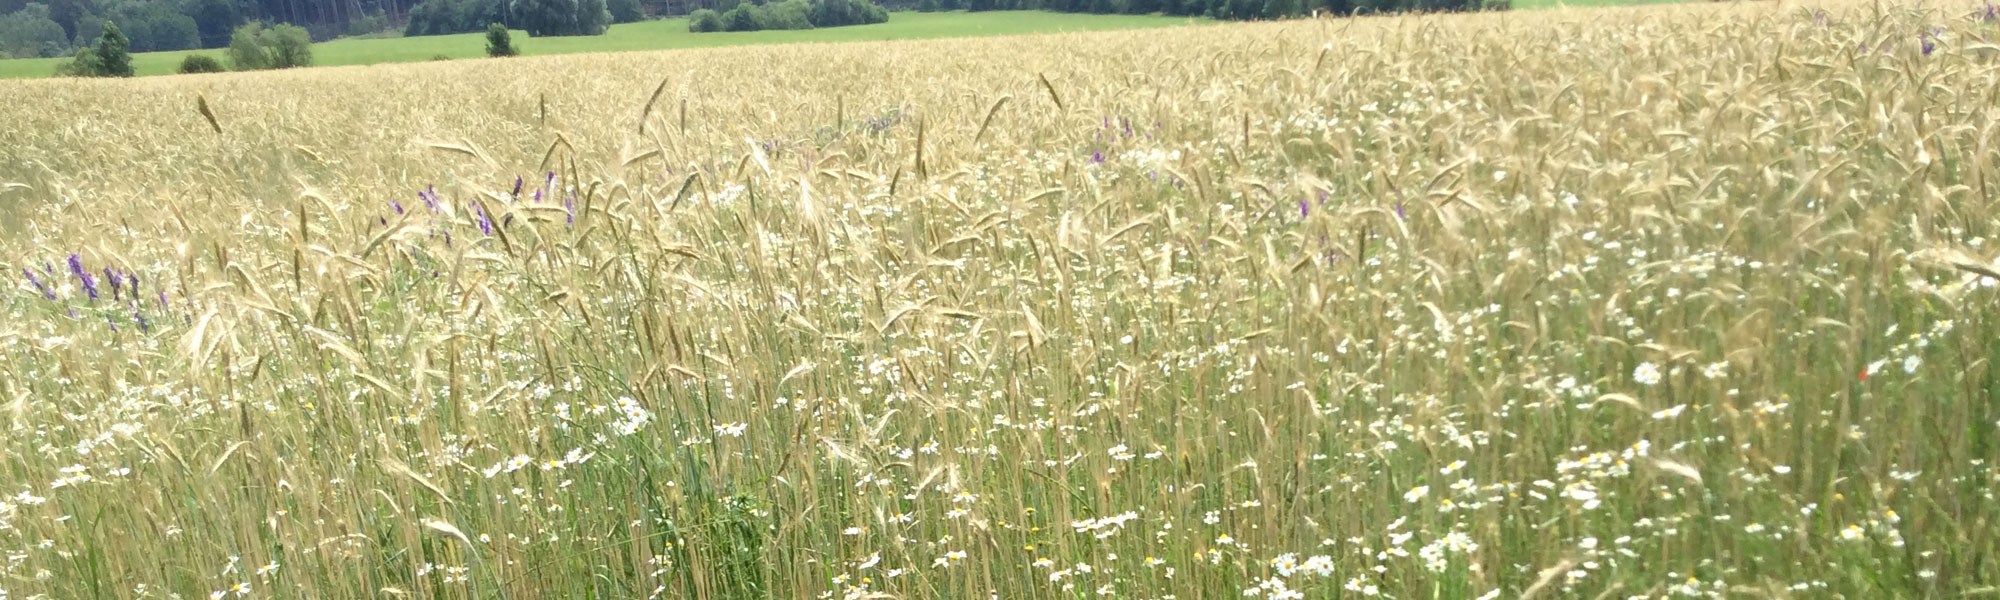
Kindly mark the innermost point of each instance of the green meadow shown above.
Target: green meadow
(663, 34)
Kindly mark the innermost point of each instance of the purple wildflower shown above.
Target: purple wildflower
(1303, 205)
(1097, 156)
(117, 284)
(430, 199)
(1929, 42)
(485, 224)
(46, 292)
(1399, 210)
(143, 326)
(163, 299)
(569, 206)
(133, 281)
(398, 206)
(89, 283)
(517, 186)
(112, 322)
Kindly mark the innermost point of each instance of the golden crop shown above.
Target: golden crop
(1668, 302)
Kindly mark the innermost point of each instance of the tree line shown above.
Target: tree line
(52, 28)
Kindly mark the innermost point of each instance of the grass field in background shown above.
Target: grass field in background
(1541, 4)
(653, 35)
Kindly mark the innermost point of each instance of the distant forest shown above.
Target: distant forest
(49, 28)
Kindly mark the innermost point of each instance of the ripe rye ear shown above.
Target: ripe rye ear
(201, 104)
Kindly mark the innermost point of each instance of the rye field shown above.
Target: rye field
(1650, 302)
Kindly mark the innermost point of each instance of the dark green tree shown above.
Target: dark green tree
(625, 11)
(704, 21)
(561, 17)
(246, 52)
(113, 56)
(30, 33)
(741, 18)
(156, 26)
(73, 15)
(1279, 9)
(498, 42)
(215, 20)
(288, 45)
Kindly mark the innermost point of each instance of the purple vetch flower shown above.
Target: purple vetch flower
(143, 326)
(89, 283)
(1989, 14)
(1928, 42)
(112, 322)
(569, 207)
(1303, 206)
(1399, 210)
(1097, 156)
(44, 289)
(398, 206)
(430, 198)
(117, 284)
(133, 281)
(538, 196)
(517, 186)
(163, 300)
